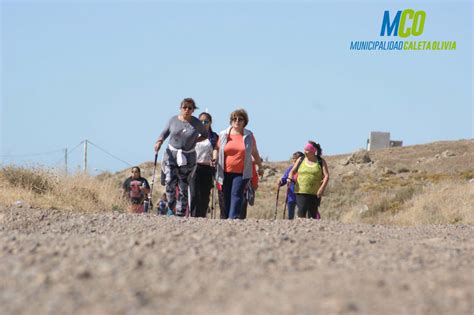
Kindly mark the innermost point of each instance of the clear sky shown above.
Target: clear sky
(114, 73)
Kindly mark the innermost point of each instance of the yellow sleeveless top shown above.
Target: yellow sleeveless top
(309, 178)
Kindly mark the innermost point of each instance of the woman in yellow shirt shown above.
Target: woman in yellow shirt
(311, 176)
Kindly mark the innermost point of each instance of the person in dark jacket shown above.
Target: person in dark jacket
(290, 193)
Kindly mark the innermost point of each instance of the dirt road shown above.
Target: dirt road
(53, 262)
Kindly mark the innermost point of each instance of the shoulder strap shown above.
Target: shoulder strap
(299, 164)
(320, 160)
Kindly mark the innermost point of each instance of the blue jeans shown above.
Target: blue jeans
(291, 210)
(233, 188)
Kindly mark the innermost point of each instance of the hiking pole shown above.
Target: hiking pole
(286, 203)
(153, 181)
(212, 202)
(276, 204)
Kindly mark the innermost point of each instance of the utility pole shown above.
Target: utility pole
(65, 160)
(85, 156)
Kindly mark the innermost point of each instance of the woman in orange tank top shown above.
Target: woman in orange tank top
(234, 152)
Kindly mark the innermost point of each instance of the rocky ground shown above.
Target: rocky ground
(54, 262)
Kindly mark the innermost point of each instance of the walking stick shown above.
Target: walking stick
(153, 181)
(188, 207)
(286, 203)
(276, 204)
(212, 201)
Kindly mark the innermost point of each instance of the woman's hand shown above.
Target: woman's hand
(158, 144)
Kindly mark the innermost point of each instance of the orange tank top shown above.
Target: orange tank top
(234, 154)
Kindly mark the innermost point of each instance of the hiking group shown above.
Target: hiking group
(196, 159)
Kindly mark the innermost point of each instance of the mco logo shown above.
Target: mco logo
(405, 23)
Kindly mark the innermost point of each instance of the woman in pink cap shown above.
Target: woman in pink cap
(311, 176)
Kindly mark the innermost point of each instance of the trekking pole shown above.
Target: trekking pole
(286, 203)
(276, 204)
(153, 181)
(213, 214)
(212, 202)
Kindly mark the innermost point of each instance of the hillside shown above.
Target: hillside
(429, 183)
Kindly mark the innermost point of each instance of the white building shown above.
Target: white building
(381, 140)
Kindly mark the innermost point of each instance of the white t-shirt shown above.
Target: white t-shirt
(204, 151)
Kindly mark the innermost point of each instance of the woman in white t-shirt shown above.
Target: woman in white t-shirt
(202, 181)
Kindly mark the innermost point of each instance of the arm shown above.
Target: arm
(293, 170)
(201, 138)
(325, 180)
(164, 134)
(215, 154)
(284, 178)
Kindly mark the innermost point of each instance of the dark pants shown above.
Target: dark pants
(243, 212)
(233, 188)
(307, 206)
(201, 185)
(291, 210)
(223, 212)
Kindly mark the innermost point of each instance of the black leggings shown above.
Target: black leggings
(201, 186)
(307, 205)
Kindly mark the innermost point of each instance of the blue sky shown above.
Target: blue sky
(115, 72)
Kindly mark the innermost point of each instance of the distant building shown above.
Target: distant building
(381, 140)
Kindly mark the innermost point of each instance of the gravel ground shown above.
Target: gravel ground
(53, 262)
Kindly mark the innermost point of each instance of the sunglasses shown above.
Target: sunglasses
(187, 108)
(238, 119)
(205, 122)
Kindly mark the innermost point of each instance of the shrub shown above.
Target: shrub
(37, 180)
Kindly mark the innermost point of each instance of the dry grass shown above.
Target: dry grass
(445, 203)
(37, 180)
(44, 189)
(391, 189)
(409, 185)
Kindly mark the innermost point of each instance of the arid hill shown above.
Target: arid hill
(429, 183)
